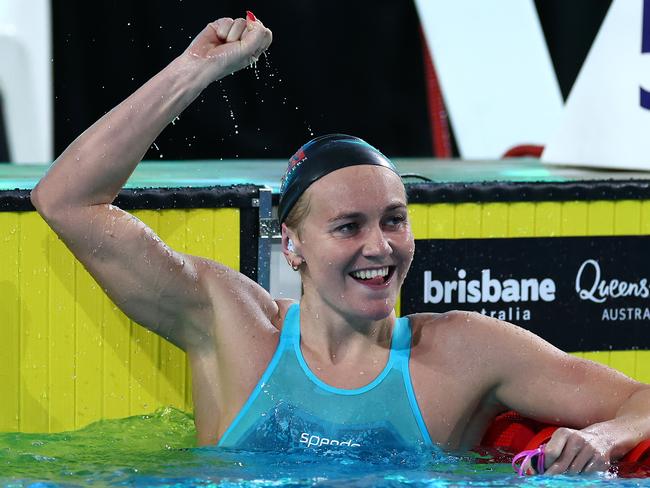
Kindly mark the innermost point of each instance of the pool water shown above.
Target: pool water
(155, 450)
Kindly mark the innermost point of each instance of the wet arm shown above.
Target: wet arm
(156, 286)
(605, 412)
(631, 424)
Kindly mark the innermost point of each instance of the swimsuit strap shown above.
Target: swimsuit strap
(400, 348)
(400, 356)
(291, 326)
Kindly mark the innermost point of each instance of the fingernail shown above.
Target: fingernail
(250, 16)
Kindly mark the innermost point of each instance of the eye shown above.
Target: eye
(347, 229)
(395, 220)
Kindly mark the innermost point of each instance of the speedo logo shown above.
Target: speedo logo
(487, 289)
(313, 440)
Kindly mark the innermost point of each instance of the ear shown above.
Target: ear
(289, 240)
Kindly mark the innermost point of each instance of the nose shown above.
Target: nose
(375, 243)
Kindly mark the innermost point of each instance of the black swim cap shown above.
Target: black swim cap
(321, 156)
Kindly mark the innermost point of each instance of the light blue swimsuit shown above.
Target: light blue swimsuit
(290, 408)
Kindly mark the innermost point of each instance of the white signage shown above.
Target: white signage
(606, 121)
(495, 72)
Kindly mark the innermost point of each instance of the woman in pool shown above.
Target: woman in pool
(337, 369)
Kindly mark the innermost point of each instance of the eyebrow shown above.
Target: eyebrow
(355, 215)
(343, 216)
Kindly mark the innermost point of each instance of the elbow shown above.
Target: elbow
(36, 198)
(46, 203)
(39, 200)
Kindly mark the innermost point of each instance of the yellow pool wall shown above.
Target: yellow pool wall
(70, 357)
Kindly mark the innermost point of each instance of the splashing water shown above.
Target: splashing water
(224, 95)
(156, 450)
(273, 80)
(103, 452)
(155, 146)
(254, 67)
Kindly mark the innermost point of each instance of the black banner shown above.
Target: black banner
(579, 293)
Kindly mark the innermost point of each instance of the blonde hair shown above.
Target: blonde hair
(298, 213)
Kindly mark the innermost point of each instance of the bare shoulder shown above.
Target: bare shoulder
(463, 348)
(468, 333)
(456, 322)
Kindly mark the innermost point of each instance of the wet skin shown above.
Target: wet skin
(357, 221)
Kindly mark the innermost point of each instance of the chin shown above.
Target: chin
(377, 311)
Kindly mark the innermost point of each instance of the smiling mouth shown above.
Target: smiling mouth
(374, 276)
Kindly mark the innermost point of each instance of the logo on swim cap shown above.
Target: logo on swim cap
(294, 161)
(297, 158)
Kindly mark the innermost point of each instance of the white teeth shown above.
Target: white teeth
(366, 274)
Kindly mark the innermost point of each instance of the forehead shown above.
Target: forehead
(360, 188)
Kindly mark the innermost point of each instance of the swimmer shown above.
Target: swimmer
(338, 369)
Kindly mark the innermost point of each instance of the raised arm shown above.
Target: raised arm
(605, 413)
(159, 288)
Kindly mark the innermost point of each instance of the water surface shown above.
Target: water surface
(157, 450)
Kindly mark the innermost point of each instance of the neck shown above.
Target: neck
(337, 337)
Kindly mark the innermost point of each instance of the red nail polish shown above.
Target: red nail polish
(250, 16)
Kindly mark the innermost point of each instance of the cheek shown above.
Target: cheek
(326, 259)
(408, 250)
(407, 244)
